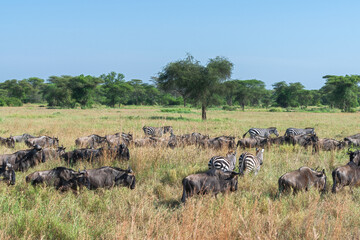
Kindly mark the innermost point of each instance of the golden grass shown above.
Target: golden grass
(153, 210)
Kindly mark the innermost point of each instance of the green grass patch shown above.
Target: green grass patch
(176, 110)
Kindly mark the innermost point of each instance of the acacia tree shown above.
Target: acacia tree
(201, 84)
(342, 91)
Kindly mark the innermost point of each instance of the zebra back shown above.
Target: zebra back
(262, 132)
(299, 131)
(249, 162)
(223, 163)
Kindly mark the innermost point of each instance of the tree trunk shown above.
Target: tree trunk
(203, 112)
(243, 106)
(184, 102)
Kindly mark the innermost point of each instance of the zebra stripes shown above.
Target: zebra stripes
(248, 162)
(225, 164)
(299, 131)
(157, 131)
(262, 132)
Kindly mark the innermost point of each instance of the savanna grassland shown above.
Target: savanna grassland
(153, 209)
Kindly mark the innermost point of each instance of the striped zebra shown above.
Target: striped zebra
(157, 131)
(248, 162)
(262, 132)
(225, 164)
(299, 131)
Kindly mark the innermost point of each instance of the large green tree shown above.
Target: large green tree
(201, 84)
(342, 91)
(116, 90)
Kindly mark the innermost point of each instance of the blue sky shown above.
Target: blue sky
(292, 41)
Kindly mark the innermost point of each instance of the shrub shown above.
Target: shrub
(13, 102)
(276, 109)
(229, 108)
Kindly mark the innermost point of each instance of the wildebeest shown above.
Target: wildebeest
(22, 138)
(119, 138)
(327, 144)
(252, 142)
(107, 177)
(43, 141)
(353, 140)
(91, 141)
(302, 179)
(7, 173)
(305, 140)
(212, 181)
(60, 177)
(218, 142)
(85, 154)
(7, 142)
(348, 175)
(51, 154)
(24, 159)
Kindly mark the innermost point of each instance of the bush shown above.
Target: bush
(2, 102)
(276, 110)
(13, 102)
(229, 108)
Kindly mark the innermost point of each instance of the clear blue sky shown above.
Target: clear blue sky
(292, 41)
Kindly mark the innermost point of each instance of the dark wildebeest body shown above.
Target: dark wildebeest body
(119, 138)
(7, 142)
(302, 179)
(353, 140)
(327, 144)
(52, 154)
(61, 178)
(303, 140)
(213, 181)
(43, 141)
(348, 175)
(218, 142)
(85, 154)
(157, 131)
(7, 173)
(91, 141)
(107, 177)
(22, 138)
(24, 159)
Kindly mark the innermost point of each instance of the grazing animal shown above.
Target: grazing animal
(305, 140)
(213, 181)
(24, 159)
(119, 138)
(302, 179)
(43, 141)
(262, 132)
(249, 162)
(51, 154)
(225, 164)
(107, 177)
(327, 144)
(86, 154)
(157, 131)
(7, 142)
(60, 177)
(353, 140)
(348, 175)
(218, 142)
(252, 142)
(7, 173)
(91, 141)
(299, 131)
(22, 138)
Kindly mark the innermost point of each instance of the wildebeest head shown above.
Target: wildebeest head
(126, 179)
(354, 156)
(233, 178)
(168, 129)
(82, 178)
(61, 150)
(321, 180)
(8, 173)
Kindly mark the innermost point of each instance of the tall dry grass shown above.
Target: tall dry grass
(153, 209)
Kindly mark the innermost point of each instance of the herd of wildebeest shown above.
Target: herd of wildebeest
(221, 176)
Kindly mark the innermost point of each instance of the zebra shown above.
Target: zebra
(225, 164)
(157, 131)
(248, 162)
(262, 132)
(299, 131)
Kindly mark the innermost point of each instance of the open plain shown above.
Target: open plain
(153, 209)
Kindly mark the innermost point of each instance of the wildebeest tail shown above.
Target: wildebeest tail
(186, 186)
(13, 177)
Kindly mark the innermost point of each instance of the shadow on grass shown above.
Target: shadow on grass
(171, 203)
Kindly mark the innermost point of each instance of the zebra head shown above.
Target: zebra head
(274, 131)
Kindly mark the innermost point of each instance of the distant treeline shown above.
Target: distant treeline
(112, 90)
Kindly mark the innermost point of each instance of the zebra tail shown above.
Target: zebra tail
(245, 133)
